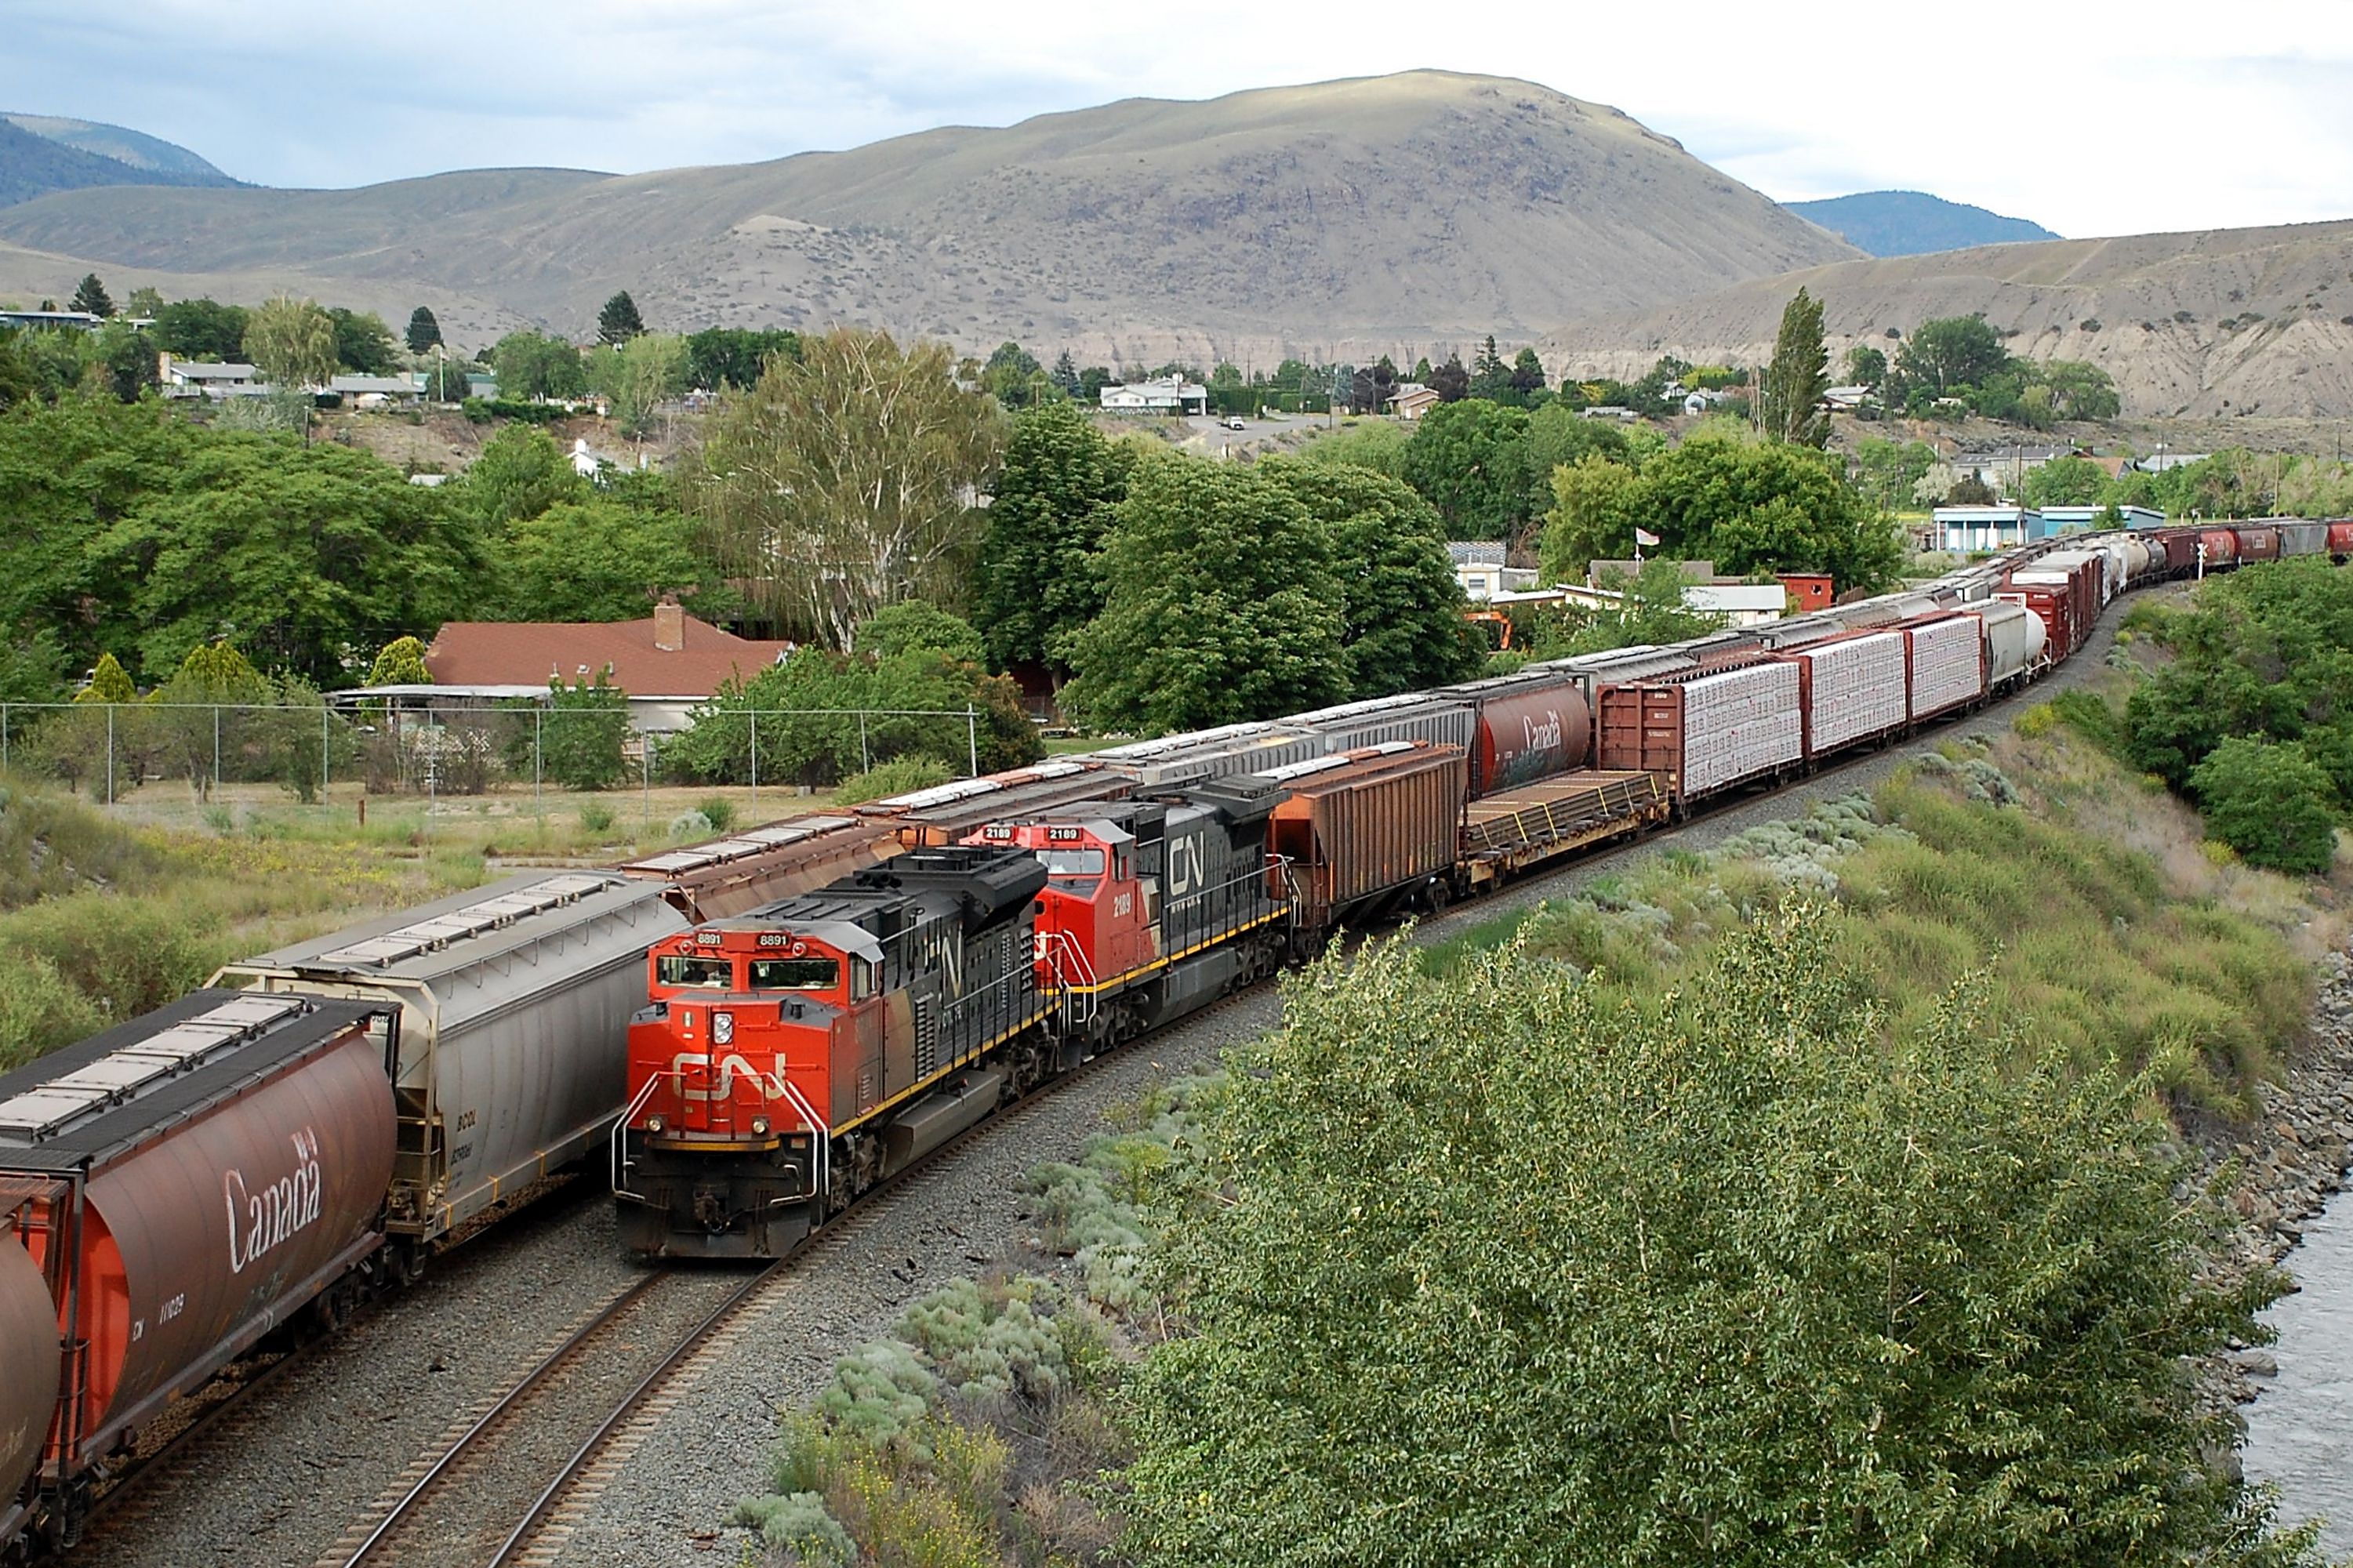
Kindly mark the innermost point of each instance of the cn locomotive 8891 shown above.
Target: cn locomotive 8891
(793, 1057)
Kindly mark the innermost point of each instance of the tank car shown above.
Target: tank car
(792, 1057)
(178, 1188)
(515, 1002)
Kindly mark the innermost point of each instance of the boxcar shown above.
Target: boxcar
(515, 1001)
(1363, 831)
(184, 1184)
(1704, 731)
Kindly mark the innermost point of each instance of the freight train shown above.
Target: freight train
(761, 1104)
(759, 1027)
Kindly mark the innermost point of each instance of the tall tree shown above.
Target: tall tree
(1011, 375)
(91, 295)
(639, 375)
(1491, 378)
(1791, 409)
(1450, 381)
(594, 560)
(1527, 374)
(847, 479)
(1219, 603)
(1401, 607)
(618, 322)
(733, 357)
(424, 330)
(1467, 458)
(1865, 365)
(146, 302)
(1951, 351)
(520, 473)
(202, 329)
(362, 342)
(1035, 585)
(530, 366)
(293, 341)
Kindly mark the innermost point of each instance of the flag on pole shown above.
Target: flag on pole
(1646, 538)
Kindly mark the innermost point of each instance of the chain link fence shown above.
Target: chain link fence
(109, 751)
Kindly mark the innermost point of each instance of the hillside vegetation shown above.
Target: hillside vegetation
(1721, 1210)
(1426, 207)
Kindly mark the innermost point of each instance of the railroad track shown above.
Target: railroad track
(578, 1417)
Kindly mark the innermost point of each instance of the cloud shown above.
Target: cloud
(2114, 117)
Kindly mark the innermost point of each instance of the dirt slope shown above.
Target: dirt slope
(2218, 322)
(1404, 212)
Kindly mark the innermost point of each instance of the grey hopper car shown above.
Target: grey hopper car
(515, 1001)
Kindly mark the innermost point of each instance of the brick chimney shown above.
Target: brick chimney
(669, 626)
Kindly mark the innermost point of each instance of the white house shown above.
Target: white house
(1163, 395)
(1478, 568)
(1740, 603)
(195, 378)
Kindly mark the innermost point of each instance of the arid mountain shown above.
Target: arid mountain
(1912, 223)
(1409, 213)
(34, 162)
(2228, 322)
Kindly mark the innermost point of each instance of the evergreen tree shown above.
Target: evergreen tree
(1066, 373)
(1490, 377)
(1527, 373)
(92, 296)
(618, 322)
(424, 330)
(1799, 375)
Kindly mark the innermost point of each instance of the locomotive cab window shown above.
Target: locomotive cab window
(702, 974)
(796, 974)
(1072, 863)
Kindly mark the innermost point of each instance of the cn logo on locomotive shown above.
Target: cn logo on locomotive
(727, 1068)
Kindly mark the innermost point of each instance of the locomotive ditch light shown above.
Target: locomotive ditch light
(654, 1124)
(723, 1028)
(759, 1127)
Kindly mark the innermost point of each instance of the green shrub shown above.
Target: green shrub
(718, 810)
(39, 1010)
(900, 775)
(2269, 802)
(595, 818)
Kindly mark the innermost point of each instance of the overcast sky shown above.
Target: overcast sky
(2094, 118)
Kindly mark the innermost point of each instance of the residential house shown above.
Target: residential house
(1608, 410)
(2004, 469)
(197, 378)
(84, 320)
(385, 389)
(1965, 529)
(1478, 568)
(1164, 394)
(1412, 400)
(1846, 399)
(667, 663)
(2165, 462)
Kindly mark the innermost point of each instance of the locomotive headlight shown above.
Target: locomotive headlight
(723, 1028)
(759, 1127)
(654, 1124)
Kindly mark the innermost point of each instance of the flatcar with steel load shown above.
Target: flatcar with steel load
(177, 1190)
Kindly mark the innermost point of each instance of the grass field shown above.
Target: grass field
(107, 912)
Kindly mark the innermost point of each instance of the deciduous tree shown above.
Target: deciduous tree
(1466, 457)
(1035, 585)
(1790, 407)
(201, 329)
(1731, 1277)
(1401, 607)
(1951, 351)
(293, 341)
(594, 560)
(530, 366)
(846, 480)
(1219, 603)
(362, 342)
(733, 357)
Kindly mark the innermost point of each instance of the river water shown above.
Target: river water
(2300, 1429)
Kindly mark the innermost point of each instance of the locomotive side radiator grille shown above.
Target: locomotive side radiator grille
(927, 1038)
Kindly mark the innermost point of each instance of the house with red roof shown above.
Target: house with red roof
(667, 664)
